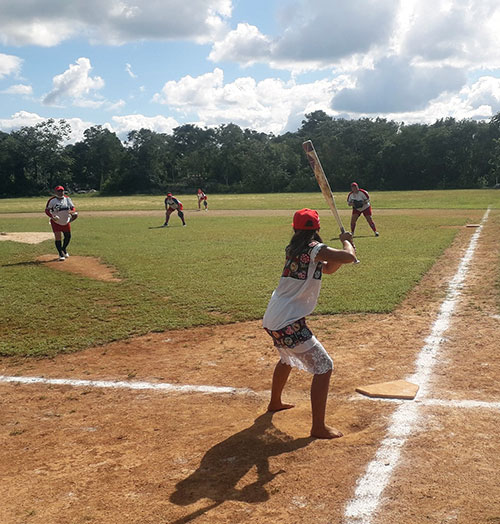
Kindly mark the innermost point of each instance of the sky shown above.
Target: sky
(261, 64)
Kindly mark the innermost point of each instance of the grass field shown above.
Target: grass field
(216, 270)
(450, 199)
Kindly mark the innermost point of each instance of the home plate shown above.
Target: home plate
(394, 389)
(472, 225)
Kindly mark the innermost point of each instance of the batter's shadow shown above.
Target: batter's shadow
(226, 463)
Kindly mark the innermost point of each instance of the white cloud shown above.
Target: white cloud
(394, 85)
(9, 65)
(462, 32)
(160, 124)
(75, 84)
(479, 101)
(27, 119)
(120, 104)
(128, 68)
(328, 31)
(245, 45)
(18, 89)
(113, 21)
(265, 106)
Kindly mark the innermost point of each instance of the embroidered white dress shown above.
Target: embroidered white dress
(296, 297)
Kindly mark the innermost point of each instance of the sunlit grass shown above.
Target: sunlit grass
(450, 199)
(215, 270)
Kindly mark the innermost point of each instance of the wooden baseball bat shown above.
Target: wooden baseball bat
(320, 176)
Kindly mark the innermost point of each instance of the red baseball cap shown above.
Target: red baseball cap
(59, 188)
(306, 219)
(169, 194)
(354, 184)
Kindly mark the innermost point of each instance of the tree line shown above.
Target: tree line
(379, 154)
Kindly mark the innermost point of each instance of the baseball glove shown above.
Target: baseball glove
(358, 203)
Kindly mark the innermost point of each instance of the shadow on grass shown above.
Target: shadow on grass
(28, 263)
(225, 464)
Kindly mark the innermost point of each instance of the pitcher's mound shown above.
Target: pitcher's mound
(26, 237)
(89, 267)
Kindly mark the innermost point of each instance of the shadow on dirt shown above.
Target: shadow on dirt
(225, 464)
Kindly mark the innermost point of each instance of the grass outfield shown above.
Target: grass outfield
(216, 270)
(450, 199)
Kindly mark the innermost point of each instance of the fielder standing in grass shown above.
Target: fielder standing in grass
(307, 258)
(173, 204)
(62, 212)
(359, 200)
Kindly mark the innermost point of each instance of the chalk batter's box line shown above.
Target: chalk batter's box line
(214, 390)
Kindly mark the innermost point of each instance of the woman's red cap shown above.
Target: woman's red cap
(307, 219)
(59, 188)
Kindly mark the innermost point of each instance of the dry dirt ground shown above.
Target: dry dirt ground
(85, 454)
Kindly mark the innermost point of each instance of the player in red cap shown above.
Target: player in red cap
(173, 204)
(307, 258)
(62, 212)
(202, 198)
(359, 200)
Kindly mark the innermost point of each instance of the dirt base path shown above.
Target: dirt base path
(87, 454)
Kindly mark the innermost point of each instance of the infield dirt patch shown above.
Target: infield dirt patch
(89, 267)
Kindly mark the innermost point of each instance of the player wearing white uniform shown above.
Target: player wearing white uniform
(173, 204)
(359, 200)
(202, 198)
(61, 211)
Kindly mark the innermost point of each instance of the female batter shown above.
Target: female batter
(307, 258)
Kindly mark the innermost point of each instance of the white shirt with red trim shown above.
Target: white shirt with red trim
(60, 209)
(173, 202)
(360, 195)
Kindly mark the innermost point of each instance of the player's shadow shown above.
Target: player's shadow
(226, 463)
(27, 263)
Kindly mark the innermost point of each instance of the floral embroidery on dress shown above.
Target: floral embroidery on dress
(299, 266)
(291, 335)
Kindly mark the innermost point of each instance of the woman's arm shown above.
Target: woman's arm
(334, 258)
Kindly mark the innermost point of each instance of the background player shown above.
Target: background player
(62, 212)
(173, 204)
(202, 198)
(359, 200)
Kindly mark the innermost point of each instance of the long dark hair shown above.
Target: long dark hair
(300, 240)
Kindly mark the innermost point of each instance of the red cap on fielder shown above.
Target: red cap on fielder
(59, 188)
(306, 219)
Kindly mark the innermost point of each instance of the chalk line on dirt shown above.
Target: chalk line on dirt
(437, 402)
(369, 488)
(160, 386)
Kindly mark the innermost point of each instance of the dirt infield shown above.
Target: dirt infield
(89, 454)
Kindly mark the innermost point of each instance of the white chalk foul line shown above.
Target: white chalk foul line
(369, 488)
(437, 402)
(161, 386)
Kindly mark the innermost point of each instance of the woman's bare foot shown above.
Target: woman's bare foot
(326, 432)
(279, 407)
